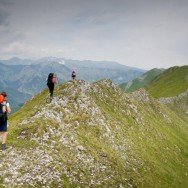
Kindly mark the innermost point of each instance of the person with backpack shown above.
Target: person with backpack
(73, 75)
(4, 110)
(51, 81)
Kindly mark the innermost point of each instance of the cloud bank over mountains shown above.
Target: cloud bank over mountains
(139, 33)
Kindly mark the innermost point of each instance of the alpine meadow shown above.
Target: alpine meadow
(96, 135)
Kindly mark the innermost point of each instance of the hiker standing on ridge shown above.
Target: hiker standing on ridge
(4, 109)
(51, 81)
(73, 75)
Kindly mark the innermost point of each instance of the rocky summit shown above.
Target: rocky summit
(95, 135)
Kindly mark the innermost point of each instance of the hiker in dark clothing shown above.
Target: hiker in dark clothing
(4, 109)
(73, 75)
(51, 81)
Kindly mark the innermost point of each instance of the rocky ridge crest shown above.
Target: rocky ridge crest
(88, 136)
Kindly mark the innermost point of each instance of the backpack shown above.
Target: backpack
(3, 113)
(50, 77)
(2, 98)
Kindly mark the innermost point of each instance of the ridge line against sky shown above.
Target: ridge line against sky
(138, 33)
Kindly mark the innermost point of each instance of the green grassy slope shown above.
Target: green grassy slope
(170, 83)
(140, 82)
(152, 140)
(95, 135)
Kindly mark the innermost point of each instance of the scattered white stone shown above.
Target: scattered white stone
(80, 148)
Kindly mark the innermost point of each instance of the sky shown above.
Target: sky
(138, 33)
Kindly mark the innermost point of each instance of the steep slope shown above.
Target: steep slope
(171, 88)
(95, 135)
(170, 83)
(141, 81)
(178, 104)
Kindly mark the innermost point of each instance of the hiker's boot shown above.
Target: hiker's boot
(4, 147)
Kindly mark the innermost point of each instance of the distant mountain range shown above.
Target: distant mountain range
(23, 78)
(87, 70)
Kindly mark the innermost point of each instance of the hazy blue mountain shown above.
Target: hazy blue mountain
(17, 61)
(29, 76)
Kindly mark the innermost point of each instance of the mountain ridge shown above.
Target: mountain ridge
(95, 135)
(169, 83)
(141, 81)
